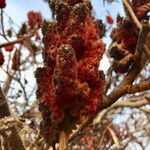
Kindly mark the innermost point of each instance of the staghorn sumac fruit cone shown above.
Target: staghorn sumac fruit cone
(69, 85)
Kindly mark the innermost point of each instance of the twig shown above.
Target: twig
(19, 40)
(2, 24)
(115, 138)
(80, 128)
(10, 76)
(109, 79)
(6, 84)
(130, 104)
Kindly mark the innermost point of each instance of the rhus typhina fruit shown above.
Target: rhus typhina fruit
(69, 85)
(125, 37)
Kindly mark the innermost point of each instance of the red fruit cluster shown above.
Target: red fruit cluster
(38, 37)
(9, 48)
(109, 20)
(1, 58)
(69, 84)
(141, 8)
(16, 60)
(125, 38)
(2, 3)
(9, 32)
(123, 46)
(34, 19)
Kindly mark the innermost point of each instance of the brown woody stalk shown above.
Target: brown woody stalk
(142, 86)
(131, 14)
(63, 141)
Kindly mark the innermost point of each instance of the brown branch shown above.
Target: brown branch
(142, 86)
(10, 76)
(115, 138)
(131, 104)
(19, 40)
(2, 25)
(147, 50)
(80, 128)
(7, 83)
(132, 15)
(13, 139)
(142, 40)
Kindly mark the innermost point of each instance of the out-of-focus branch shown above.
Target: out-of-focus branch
(19, 40)
(8, 122)
(131, 104)
(2, 25)
(115, 138)
(10, 76)
(7, 83)
(13, 139)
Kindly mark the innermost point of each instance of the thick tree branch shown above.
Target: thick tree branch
(142, 86)
(132, 15)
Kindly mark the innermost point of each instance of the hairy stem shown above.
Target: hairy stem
(63, 141)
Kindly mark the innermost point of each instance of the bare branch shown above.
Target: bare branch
(132, 15)
(115, 138)
(142, 86)
(19, 40)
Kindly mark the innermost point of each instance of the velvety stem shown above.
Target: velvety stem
(63, 140)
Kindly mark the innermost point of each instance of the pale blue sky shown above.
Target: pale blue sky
(18, 9)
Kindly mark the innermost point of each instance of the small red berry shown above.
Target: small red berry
(9, 32)
(9, 48)
(109, 20)
(38, 37)
(34, 18)
(1, 58)
(15, 61)
(2, 3)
